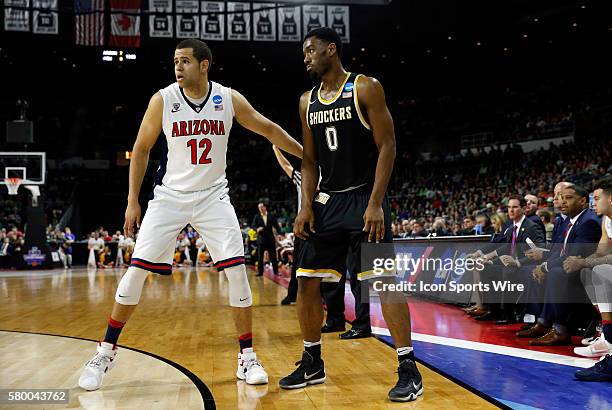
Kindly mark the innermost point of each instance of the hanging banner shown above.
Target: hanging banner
(16, 15)
(289, 23)
(160, 18)
(338, 19)
(313, 17)
(89, 22)
(125, 23)
(213, 20)
(238, 21)
(264, 22)
(45, 17)
(187, 18)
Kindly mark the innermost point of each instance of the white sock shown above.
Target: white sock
(310, 344)
(401, 351)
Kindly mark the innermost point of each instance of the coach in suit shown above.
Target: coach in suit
(264, 223)
(581, 233)
(507, 266)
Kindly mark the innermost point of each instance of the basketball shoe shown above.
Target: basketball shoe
(410, 383)
(599, 348)
(96, 368)
(600, 372)
(250, 369)
(308, 372)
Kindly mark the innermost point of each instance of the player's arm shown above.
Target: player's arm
(310, 175)
(603, 255)
(150, 128)
(283, 161)
(252, 120)
(372, 98)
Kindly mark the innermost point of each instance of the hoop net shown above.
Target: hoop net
(13, 185)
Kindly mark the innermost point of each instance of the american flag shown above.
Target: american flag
(89, 22)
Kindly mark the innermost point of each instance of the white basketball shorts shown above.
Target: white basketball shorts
(211, 214)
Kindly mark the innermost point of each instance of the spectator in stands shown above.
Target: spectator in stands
(483, 225)
(546, 218)
(418, 229)
(468, 226)
(498, 220)
(439, 227)
(406, 229)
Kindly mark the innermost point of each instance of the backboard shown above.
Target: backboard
(29, 166)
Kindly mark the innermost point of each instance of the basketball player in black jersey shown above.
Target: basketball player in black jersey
(348, 135)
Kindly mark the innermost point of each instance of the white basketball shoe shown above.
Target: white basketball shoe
(96, 368)
(250, 369)
(599, 348)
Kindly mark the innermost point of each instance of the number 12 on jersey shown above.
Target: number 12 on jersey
(331, 135)
(206, 144)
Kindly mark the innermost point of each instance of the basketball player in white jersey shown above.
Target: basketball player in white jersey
(601, 278)
(196, 116)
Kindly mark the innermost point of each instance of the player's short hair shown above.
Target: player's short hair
(201, 51)
(580, 191)
(329, 35)
(522, 201)
(605, 185)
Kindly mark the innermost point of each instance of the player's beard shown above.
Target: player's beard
(314, 75)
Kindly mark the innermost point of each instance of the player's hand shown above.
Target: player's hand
(374, 223)
(132, 217)
(534, 254)
(305, 217)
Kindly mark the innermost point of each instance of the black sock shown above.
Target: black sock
(313, 349)
(113, 331)
(246, 341)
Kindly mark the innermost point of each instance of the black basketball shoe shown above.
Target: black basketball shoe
(308, 372)
(410, 383)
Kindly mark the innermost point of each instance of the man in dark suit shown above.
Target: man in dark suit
(581, 234)
(509, 262)
(264, 223)
(535, 291)
(531, 207)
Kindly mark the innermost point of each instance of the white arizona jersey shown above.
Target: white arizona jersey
(197, 138)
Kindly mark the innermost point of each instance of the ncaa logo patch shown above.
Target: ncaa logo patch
(217, 99)
(348, 87)
(176, 107)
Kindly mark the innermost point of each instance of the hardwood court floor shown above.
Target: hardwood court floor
(184, 319)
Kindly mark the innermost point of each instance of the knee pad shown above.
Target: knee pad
(239, 288)
(130, 286)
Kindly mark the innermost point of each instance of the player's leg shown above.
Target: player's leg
(165, 217)
(215, 220)
(602, 371)
(318, 259)
(394, 307)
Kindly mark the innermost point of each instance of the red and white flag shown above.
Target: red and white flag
(125, 23)
(89, 22)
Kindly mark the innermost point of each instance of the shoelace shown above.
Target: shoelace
(252, 363)
(97, 361)
(406, 375)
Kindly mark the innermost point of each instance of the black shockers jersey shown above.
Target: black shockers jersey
(346, 151)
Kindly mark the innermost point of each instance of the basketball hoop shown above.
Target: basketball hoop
(13, 185)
